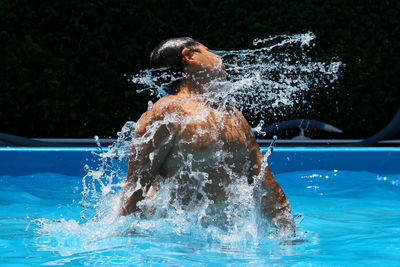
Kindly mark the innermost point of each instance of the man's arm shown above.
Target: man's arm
(274, 203)
(148, 153)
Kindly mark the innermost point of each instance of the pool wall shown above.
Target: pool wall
(70, 161)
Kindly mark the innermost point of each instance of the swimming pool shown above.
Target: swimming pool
(348, 198)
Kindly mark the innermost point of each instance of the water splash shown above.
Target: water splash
(100, 185)
(265, 80)
(269, 76)
(258, 128)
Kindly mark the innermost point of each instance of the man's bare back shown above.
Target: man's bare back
(218, 142)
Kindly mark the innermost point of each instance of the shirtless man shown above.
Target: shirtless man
(180, 124)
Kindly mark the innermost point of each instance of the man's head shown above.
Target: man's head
(184, 57)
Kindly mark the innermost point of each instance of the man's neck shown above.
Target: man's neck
(189, 88)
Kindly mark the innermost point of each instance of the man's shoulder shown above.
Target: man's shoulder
(168, 103)
(171, 105)
(167, 106)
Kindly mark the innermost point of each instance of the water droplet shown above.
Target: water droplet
(149, 105)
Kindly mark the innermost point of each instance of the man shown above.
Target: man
(184, 127)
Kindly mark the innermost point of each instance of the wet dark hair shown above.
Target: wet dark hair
(166, 61)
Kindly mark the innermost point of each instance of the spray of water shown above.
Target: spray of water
(268, 76)
(265, 80)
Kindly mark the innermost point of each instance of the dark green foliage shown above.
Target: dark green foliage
(63, 62)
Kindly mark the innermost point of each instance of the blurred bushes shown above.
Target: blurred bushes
(63, 62)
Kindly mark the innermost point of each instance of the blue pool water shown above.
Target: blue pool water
(349, 211)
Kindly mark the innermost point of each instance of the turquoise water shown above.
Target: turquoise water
(346, 218)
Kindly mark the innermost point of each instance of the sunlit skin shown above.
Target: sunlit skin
(200, 137)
